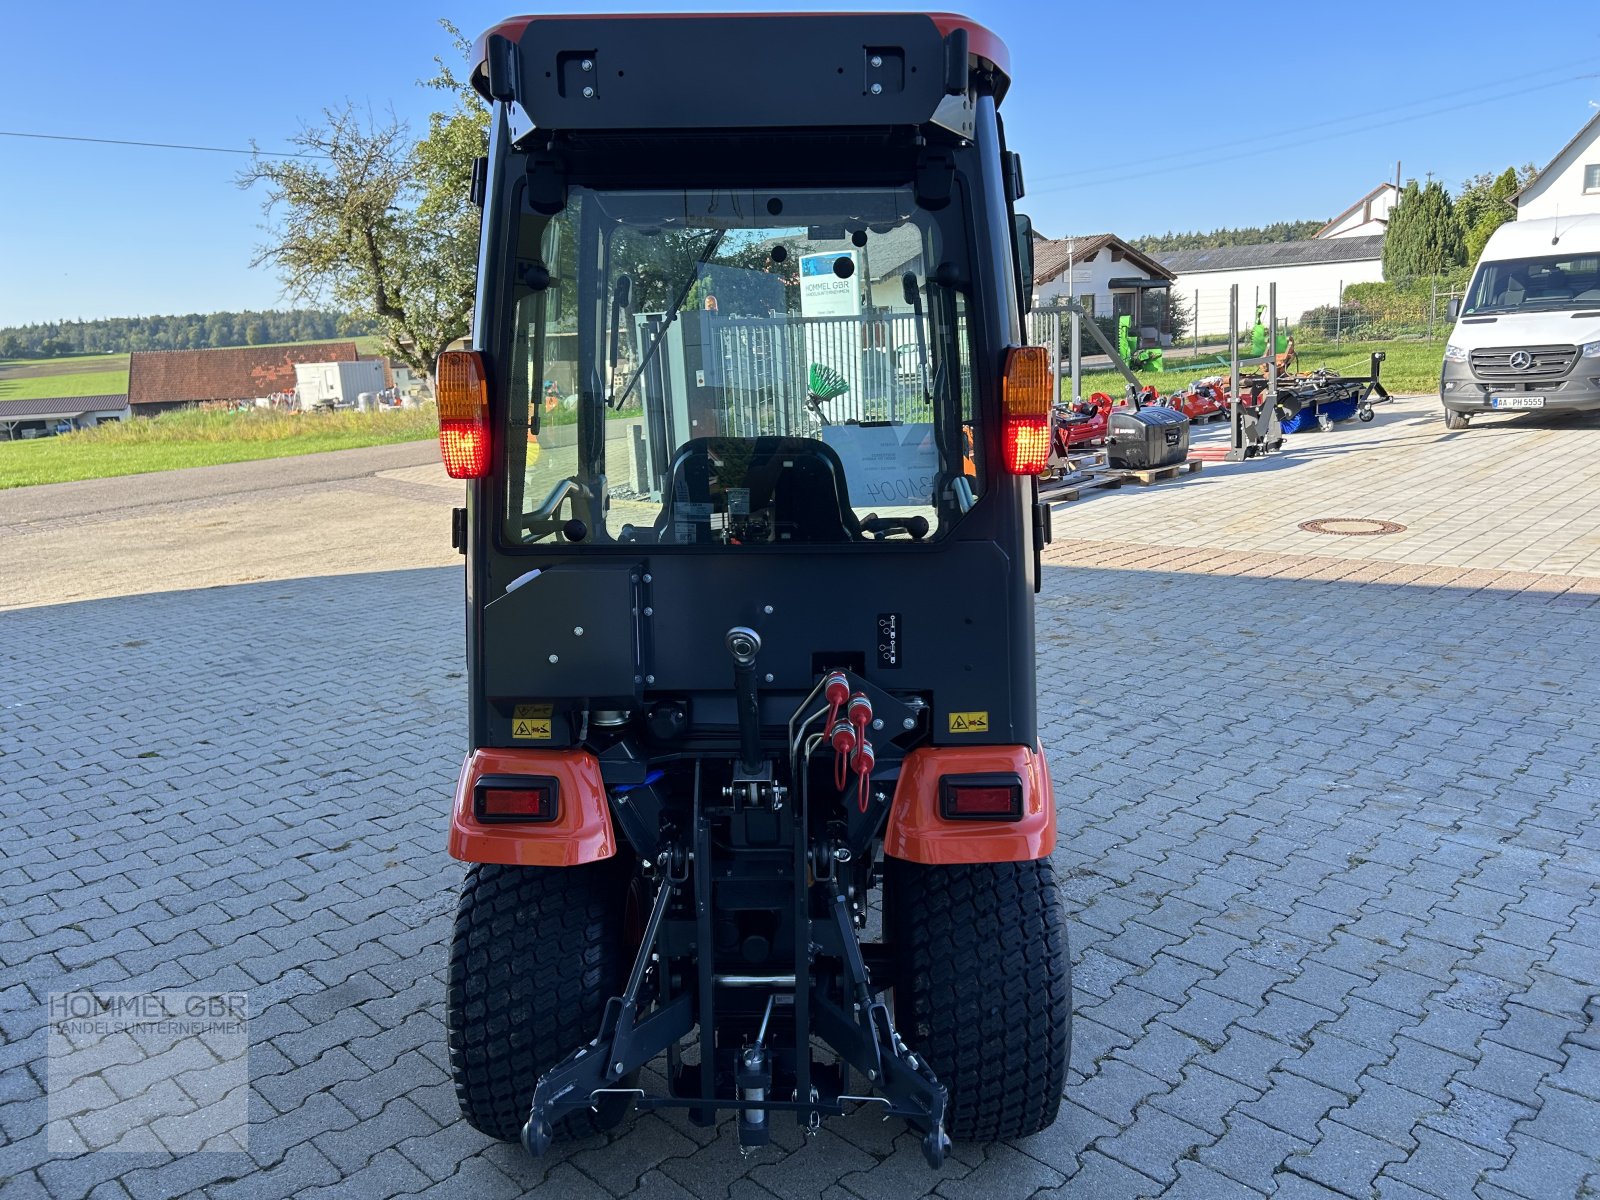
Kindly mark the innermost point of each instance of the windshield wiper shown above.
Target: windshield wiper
(672, 315)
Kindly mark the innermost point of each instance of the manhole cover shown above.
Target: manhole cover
(1352, 526)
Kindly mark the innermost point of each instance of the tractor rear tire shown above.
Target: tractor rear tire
(537, 952)
(983, 989)
(1456, 420)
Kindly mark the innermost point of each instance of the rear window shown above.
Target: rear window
(716, 368)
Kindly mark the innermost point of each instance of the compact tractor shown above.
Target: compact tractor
(754, 790)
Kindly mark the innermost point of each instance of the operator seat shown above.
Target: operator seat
(796, 485)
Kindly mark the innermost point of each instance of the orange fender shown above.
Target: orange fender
(918, 833)
(581, 832)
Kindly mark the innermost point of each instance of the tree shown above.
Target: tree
(1424, 236)
(379, 223)
(1249, 235)
(1483, 206)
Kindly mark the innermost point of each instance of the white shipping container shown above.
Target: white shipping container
(337, 384)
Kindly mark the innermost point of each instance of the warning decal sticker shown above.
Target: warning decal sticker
(531, 722)
(969, 722)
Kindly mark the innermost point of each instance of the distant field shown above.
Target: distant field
(202, 439)
(81, 383)
(16, 367)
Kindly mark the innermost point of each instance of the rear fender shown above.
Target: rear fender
(918, 833)
(581, 832)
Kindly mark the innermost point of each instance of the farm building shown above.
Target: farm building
(1108, 278)
(1308, 274)
(1570, 183)
(163, 379)
(21, 419)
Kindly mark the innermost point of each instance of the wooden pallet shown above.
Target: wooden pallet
(1156, 474)
(1073, 488)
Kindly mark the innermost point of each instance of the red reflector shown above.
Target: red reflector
(536, 803)
(981, 798)
(980, 801)
(1027, 444)
(464, 446)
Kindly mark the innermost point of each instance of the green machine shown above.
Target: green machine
(1150, 359)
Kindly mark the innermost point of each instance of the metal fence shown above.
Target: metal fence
(767, 365)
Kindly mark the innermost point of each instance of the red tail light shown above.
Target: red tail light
(513, 798)
(463, 390)
(1025, 409)
(980, 798)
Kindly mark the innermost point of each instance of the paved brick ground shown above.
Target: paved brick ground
(1329, 815)
(1329, 849)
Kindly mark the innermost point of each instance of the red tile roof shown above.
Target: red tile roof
(243, 373)
(1051, 256)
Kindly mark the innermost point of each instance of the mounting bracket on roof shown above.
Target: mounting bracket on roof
(955, 62)
(502, 67)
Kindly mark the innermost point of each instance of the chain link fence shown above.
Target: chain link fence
(1379, 312)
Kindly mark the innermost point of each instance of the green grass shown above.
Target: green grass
(79, 362)
(81, 383)
(1408, 367)
(200, 439)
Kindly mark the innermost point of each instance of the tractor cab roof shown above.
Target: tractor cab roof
(631, 55)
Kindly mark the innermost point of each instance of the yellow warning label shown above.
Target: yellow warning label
(531, 722)
(969, 722)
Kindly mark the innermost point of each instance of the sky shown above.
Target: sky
(1130, 119)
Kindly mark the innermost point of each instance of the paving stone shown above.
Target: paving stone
(1294, 1105)
(1204, 1099)
(1345, 1160)
(1061, 1147)
(1003, 1173)
(1103, 1176)
(1116, 1090)
(1443, 1166)
(1538, 1168)
(1250, 1152)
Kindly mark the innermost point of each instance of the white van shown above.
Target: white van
(1528, 333)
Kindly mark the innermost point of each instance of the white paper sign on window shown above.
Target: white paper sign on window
(886, 464)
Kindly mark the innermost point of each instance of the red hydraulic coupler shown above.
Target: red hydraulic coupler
(859, 714)
(843, 738)
(862, 761)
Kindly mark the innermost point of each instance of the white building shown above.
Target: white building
(1367, 216)
(1570, 183)
(1108, 278)
(20, 419)
(1309, 274)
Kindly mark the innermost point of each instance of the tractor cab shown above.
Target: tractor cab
(752, 536)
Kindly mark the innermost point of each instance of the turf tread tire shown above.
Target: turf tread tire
(536, 953)
(983, 989)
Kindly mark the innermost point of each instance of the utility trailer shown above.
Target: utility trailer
(772, 655)
(336, 384)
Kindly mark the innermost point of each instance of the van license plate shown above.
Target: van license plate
(1516, 402)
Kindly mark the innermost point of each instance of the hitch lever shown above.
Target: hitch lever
(744, 644)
